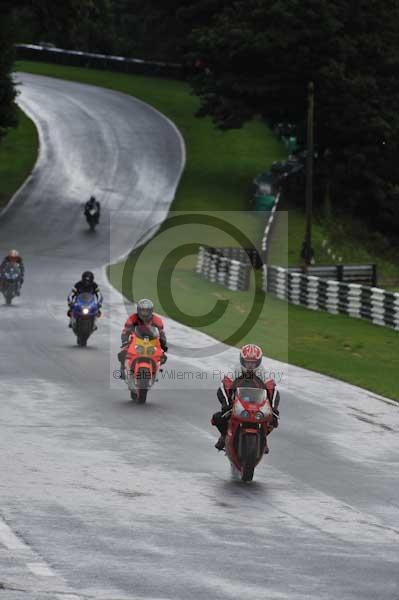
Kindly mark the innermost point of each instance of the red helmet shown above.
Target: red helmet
(250, 357)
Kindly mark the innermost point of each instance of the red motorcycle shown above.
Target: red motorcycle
(250, 423)
(143, 361)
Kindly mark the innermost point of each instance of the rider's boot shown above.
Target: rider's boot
(220, 444)
(122, 372)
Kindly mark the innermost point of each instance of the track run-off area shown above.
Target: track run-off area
(104, 499)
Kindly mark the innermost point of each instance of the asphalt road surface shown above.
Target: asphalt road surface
(103, 499)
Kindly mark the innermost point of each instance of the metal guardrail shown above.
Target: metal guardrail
(98, 61)
(361, 274)
(337, 297)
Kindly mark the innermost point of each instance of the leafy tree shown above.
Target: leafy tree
(81, 24)
(260, 56)
(8, 114)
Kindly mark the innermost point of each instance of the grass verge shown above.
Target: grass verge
(346, 240)
(219, 169)
(18, 152)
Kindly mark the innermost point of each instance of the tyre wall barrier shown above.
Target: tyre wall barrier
(336, 297)
(230, 267)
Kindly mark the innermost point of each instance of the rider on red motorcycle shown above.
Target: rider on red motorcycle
(144, 315)
(249, 374)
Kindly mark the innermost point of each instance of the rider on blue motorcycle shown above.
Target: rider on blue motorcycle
(85, 285)
(13, 258)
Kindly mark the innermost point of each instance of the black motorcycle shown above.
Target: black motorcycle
(10, 282)
(92, 214)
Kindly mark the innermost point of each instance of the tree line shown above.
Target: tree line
(251, 59)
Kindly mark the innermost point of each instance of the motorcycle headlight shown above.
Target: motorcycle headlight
(259, 415)
(139, 349)
(244, 414)
(151, 350)
(85, 311)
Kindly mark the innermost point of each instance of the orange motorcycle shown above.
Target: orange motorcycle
(143, 361)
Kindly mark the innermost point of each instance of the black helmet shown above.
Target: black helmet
(92, 199)
(87, 277)
(145, 309)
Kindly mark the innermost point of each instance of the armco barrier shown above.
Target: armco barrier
(362, 274)
(98, 61)
(230, 267)
(363, 302)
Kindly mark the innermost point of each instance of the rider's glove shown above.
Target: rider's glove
(125, 338)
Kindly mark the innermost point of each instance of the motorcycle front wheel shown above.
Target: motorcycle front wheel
(249, 457)
(142, 396)
(8, 296)
(84, 329)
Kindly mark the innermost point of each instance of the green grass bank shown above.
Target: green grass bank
(220, 167)
(342, 239)
(18, 153)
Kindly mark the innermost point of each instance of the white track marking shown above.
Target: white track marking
(40, 569)
(9, 539)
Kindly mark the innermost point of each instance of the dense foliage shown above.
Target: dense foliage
(260, 56)
(8, 113)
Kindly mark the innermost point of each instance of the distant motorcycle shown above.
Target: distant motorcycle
(92, 217)
(143, 360)
(250, 422)
(84, 312)
(10, 281)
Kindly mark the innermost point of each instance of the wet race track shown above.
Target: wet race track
(104, 499)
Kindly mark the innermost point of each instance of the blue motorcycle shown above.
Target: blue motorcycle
(84, 312)
(11, 282)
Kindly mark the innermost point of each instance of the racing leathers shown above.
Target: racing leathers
(225, 395)
(131, 323)
(82, 288)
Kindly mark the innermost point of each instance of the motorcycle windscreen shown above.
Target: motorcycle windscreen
(146, 332)
(86, 299)
(252, 395)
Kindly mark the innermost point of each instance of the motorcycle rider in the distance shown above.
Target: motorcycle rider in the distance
(91, 204)
(144, 315)
(13, 258)
(85, 285)
(249, 374)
